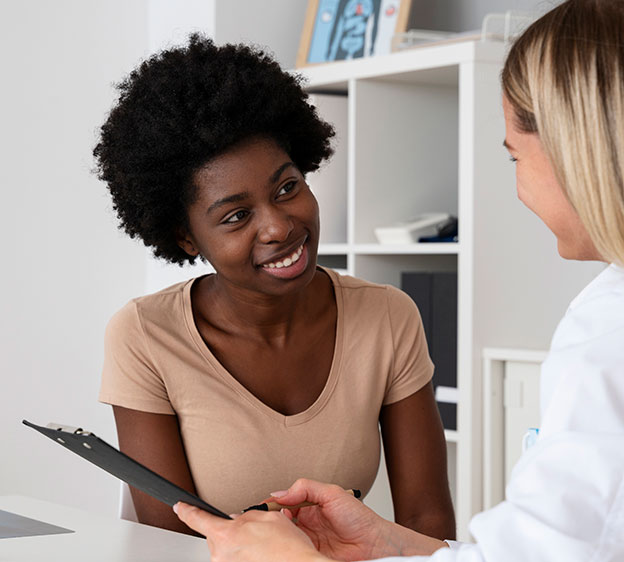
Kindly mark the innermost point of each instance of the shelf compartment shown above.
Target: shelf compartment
(387, 268)
(404, 153)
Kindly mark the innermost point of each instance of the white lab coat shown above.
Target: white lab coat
(565, 498)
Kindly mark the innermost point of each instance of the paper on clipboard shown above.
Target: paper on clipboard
(95, 450)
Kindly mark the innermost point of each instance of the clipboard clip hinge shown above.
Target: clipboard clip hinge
(68, 429)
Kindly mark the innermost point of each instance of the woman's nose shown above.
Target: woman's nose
(275, 225)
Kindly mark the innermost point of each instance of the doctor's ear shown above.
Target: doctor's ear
(185, 241)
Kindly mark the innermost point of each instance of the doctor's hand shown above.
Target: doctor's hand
(342, 527)
(254, 536)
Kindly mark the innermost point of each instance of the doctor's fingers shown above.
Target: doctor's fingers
(312, 491)
(200, 520)
(212, 526)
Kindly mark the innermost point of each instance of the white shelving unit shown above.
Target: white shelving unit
(424, 134)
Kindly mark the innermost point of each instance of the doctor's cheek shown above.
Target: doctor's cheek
(524, 194)
(521, 192)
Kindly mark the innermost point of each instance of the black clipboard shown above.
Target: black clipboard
(95, 450)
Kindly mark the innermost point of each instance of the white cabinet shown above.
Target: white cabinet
(511, 406)
(424, 134)
(521, 401)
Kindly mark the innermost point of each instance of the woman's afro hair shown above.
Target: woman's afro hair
(181, 108)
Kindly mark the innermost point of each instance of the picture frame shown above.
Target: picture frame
(347, 29)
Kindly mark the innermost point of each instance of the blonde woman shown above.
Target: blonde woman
(563, 99)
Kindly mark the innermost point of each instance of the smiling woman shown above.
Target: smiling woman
(233, 385)
(254, 192)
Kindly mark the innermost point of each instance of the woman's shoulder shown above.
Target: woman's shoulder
(608, 286)
(581, 378)
(162, 306)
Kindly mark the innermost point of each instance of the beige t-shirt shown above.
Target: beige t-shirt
(239, 450)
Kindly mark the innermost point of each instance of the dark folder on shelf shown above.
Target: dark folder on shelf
(435, 294)
(95, 450)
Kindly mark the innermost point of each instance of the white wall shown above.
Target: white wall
(466, 15)
(274, 24)
(65, 269)
(169, 22)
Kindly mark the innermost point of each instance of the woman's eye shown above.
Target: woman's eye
(236, 217)
(512, 159)
(287, 188)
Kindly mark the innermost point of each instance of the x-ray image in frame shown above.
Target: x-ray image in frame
(348, 29)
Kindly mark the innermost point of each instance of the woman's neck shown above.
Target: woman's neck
(254, 315)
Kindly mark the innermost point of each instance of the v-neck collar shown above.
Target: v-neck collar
(287, 420)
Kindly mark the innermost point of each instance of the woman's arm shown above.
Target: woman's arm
(415, 451)
(154, 440)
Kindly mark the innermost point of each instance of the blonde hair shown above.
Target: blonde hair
(564, 79)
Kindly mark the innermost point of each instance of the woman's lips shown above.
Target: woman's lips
(289, 267)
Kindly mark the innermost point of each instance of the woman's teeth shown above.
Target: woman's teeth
(287, 261)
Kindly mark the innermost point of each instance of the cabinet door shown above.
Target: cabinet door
(522, 408)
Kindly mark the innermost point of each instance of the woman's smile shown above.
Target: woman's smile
(289, 267)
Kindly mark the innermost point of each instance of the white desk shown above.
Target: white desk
(96, 538)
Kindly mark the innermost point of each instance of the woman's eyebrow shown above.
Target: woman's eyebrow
(235, 198)
(276, 175)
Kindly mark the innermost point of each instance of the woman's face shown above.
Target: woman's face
(539, 190)
(255, 219)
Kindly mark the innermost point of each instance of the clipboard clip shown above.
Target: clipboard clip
(68, 429)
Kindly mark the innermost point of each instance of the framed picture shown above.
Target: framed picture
(348, 29)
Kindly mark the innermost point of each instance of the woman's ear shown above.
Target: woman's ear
(186, 243)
